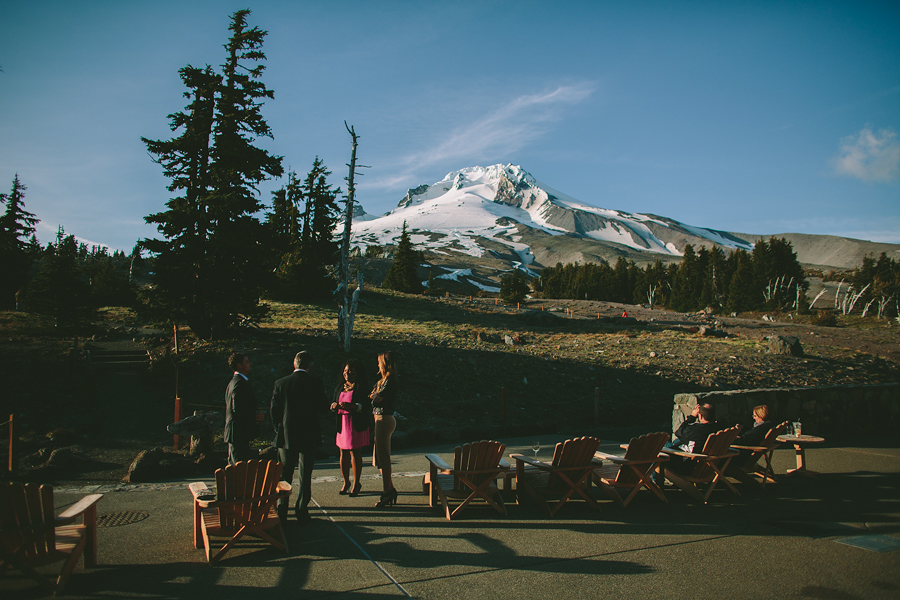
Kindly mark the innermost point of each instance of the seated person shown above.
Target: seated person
(691, 435)
(755, 435)
(761, 426)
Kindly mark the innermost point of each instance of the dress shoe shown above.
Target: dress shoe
(387, 499)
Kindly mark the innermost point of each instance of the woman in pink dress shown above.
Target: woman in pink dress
(354, 417)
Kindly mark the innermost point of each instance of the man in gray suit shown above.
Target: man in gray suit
(240, 410)
(297, 401)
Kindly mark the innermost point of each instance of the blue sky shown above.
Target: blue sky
(756, 117)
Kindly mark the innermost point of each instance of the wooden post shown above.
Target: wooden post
(177, 441)
(596, 406)
(12, 443)
(503, 405)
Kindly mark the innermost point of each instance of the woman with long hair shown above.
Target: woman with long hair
(384, 398)
(354, 417)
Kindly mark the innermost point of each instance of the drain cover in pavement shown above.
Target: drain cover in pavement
(875, 543)
(121, 518)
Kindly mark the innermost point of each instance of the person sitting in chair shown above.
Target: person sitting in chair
(755, 435)
(691, 435)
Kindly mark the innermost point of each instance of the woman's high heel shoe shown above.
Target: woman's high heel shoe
(387, 499)
(345, 490)
(355, 491)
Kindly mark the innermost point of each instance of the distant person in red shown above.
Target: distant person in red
(624, 313)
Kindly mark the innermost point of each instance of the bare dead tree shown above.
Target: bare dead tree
(347, 302)
(866, 308)
(850, 299)
(813, 303)
(883, 302)
(651, 295)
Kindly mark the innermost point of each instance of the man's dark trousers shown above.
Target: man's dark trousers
(304, 463)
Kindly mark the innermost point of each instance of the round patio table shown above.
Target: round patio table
(799, 441)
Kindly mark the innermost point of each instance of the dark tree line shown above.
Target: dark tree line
(301, 228)
(64, 280)
(768, 278)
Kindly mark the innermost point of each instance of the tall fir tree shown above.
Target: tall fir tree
(402, 275)
(211, 266)
(16, 251)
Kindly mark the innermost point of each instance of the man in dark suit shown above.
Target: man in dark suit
(297, 401)
(240, 410)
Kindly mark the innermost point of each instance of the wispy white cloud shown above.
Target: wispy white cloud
(46, 234)
(870, 156)
(502, 131)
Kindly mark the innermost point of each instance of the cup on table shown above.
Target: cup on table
(798, 428)
(789, 430)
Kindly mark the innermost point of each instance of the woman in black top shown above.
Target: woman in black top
(384, 397)
(354, 417)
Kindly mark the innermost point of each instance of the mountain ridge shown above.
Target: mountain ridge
(490, 220)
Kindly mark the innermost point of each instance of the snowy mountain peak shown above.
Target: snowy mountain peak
(503, 211)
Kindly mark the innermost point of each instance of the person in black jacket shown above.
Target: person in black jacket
(691, 436)
(297, 401)
(756, 434)
(240, 410)
(354, 417)
(692, 433)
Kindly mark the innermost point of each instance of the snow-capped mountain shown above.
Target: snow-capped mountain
(474, 210)
(478, 216)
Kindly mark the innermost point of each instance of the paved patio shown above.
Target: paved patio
(794, 540)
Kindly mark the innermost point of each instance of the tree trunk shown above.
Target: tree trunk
(347, 310)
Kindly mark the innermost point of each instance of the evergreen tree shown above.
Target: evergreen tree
(211, 266)
(513, 287)
(684, 287)
(283, 221)
(182, 261)
(742, 288)
(401, 276)
(777, 274)
(16, 252)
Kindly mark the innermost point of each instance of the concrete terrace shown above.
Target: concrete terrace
(833, 537)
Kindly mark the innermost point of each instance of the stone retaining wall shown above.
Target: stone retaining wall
(839, 409)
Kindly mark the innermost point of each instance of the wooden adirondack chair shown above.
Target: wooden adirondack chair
(473, 476)
(632, 471)
(31, 535)
(552, 485)
(708, 466)
(243, 503)
(749, 468)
